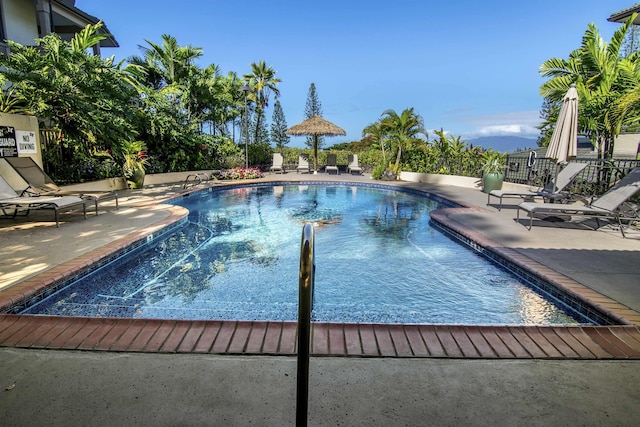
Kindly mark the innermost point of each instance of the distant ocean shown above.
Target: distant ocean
(504, 143)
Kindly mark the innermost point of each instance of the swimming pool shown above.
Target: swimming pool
(377, 260)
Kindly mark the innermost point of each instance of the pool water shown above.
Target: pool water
(237, 258)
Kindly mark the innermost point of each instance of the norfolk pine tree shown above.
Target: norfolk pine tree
(313, 108)
(279, 127)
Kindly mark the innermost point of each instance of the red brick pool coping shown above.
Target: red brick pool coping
(328, 339)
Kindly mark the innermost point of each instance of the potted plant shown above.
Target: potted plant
(135, 160)
(492, 170)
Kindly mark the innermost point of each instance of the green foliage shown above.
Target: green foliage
(263, 82)
(493, 162)
(134, 157)
(602, 78)
(260, 154)
(225, 154)
(85, 96)
(376, 173)
(402, 131)
(259, 129)
(313, 107)
(549, 115)
(279, 127)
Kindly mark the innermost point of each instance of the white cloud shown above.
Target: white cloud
(508, 129)
(517, 123)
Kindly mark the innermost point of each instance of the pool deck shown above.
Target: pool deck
(600, 267)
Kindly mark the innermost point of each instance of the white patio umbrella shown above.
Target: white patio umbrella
(564, 141)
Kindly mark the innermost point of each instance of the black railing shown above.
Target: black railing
(595, 179)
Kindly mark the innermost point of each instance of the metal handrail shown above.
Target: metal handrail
(305, 305)
(197, 179)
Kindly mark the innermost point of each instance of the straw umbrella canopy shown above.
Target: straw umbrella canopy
(315, 126)
(564, 141)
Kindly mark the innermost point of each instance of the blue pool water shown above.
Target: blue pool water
(377, 260)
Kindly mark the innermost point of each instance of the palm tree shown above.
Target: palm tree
(168, 63)
(377, 133)
(262, 81)
(403, 129)
(626, 111)
(601, 77)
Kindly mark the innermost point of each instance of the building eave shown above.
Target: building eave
(625, 14)
(82, 19)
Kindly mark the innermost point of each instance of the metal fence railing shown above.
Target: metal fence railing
(595, 179)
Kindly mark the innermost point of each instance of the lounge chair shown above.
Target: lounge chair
(332, 164)
(11, 204)
(303, 164)
(553, 191)
(39, 183)
(353, 165)
(278, 163)
(611, 205)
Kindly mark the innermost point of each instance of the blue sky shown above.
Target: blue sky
(470, 68)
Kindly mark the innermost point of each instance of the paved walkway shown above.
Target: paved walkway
(98, 388)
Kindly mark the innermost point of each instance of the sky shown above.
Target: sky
(470, 68)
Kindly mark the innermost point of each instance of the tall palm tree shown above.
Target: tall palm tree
(403, 129)
(262, 81)
(601, 77)
(167, 64)
(377, 133)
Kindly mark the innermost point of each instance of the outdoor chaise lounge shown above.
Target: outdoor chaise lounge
(332, 164)
(553, 191)
(611, 205)
(353, 165)
(11, 204)
(39, 183)
(278, 163)
(303, 164)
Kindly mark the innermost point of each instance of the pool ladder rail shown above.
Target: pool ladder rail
(195, 179)
(305, 306)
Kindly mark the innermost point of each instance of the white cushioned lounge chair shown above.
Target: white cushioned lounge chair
(12, 205)
(278, 163)
(353, 165)
(303, 164)
(39, 183)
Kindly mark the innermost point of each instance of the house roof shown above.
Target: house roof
(69, 20)
(624, 14)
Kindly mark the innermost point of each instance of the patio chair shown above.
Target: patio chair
(353, 165)
(612, 205)
(39, 183)
(278, 163)
(303, 164)
(553, 191)
(332, 164)
(11, 204)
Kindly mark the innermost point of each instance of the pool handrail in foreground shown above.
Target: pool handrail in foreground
(305, 307)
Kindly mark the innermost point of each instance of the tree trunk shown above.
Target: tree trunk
(398, 159)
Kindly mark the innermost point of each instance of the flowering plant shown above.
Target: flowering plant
(239, 173)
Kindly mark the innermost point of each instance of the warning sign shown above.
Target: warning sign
(8, 147)
(26, 141)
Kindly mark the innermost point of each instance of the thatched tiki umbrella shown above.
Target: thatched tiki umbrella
(315, 126)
